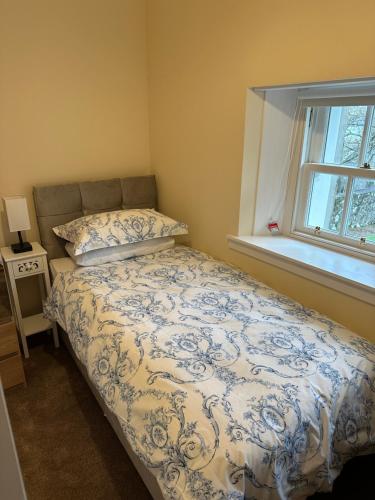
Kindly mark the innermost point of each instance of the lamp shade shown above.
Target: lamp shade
(17, 213)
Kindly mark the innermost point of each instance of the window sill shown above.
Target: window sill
(349, 275)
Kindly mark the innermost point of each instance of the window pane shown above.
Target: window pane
(344, 135)
(370, 150)
(326, 205)
(361, 216)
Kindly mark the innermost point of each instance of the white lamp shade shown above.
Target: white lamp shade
(17, 213)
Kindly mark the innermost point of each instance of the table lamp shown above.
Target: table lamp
(18, 220)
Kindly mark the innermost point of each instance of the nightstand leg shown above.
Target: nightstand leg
(47, 291)
(11, 298)
(24, 345)
(17, 308)
(42, 286)
(55, 335)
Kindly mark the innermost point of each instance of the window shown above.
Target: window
(336, 177)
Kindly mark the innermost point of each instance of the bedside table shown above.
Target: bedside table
(16, 267)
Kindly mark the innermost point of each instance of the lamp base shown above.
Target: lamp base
(25, 246)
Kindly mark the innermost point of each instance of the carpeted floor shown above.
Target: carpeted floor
(68, 450)
(66, 447)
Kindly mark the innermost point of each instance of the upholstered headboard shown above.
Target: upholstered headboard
(65, 202)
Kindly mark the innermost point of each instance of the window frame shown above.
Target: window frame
(302, 174)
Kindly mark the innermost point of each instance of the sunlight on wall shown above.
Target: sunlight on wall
(203, 55)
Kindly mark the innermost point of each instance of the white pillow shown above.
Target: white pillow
(121, 252)
(110, 229)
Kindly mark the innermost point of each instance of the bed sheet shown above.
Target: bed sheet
(61, 265)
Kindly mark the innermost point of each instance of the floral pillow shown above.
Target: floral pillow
(120, 227)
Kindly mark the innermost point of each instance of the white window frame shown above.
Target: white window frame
(302, 172)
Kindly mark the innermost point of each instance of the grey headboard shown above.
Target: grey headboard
(65, 202)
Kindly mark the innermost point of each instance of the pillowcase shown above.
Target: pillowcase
(121, 252)
(120, 227)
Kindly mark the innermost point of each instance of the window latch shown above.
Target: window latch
(366, 165)
(317, 230)
(362, 241)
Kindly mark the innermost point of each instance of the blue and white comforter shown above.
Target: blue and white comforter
(224, 388)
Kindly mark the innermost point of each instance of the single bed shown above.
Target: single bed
(217, 386)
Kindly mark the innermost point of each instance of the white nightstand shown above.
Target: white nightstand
(18, 266)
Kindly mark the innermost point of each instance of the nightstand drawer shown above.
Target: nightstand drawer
(8, 339)
(28, 266)
(11, 371)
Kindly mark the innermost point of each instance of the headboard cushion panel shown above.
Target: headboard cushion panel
(101, 196)
(139, 192)
(55, 200)
(63, 203)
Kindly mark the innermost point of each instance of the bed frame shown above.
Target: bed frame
(62, 203)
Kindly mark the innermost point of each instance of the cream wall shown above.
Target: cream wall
(74, 101)
(203, 54)
(73, 93)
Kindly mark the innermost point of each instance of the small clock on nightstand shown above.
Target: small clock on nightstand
(18, 266)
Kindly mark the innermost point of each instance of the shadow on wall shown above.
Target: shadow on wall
(4, 229)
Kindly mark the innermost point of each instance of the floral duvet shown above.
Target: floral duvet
(224, 388)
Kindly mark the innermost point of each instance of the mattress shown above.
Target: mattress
(222, 387)
(61, 265)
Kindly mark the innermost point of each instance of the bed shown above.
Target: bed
(217, 386)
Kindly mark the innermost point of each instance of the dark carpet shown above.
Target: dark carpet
(68, 450)
(66, 446)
